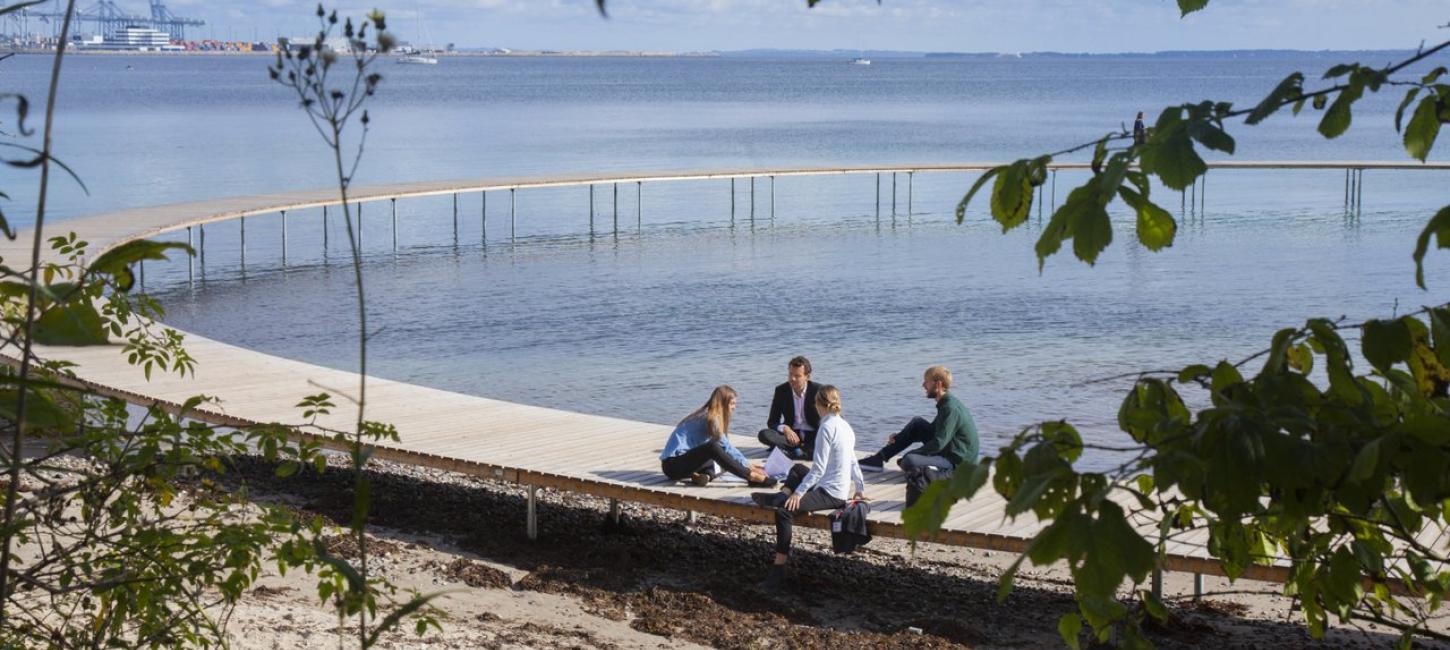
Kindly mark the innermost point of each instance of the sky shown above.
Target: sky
(913, 25)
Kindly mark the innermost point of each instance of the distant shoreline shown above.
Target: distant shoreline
(811, 55)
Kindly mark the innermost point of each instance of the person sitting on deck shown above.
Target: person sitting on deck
(947, 441)
(701, 439)
(793, 419)
(826, 486)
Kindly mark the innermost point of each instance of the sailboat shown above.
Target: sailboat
(416, 56)
(860, 60)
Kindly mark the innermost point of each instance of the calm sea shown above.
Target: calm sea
(642, 324)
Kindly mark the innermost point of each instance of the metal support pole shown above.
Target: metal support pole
(1054, 190)
(893, 194)
(616, 209)
(752, 199)
(591, 208)
(1193, 194)
(483, 217)
(455, 220)
(201, 249)
(513, 213)
(732, 200)
(1040, 192)
(910, 176)
(878, 196)
(190, 258)
(284, 238)
(690, 518)
(141, 268)
(614, 511)
(1346, 188)
(393, 207)
(324, 230)
(243, 221)
(1182, 201)
(1158, 583)
(638, 206)
(359, 226)
(1198, 586)
(772, 198)
(532, 525)
(1359, 194)
(1202, 193)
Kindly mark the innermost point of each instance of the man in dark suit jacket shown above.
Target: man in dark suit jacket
(793, 418)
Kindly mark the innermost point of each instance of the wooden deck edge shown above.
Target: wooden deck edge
(638, 494)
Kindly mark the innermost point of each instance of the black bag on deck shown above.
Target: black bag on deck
(919, 477)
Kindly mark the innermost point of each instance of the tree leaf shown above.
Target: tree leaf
(1423, 128)
(117, 261)
(1012, 196)
(1211, 136)
(1092, 232)
(1169, 153)
(1400, 112)
(1156, 227)
(41, 413)
(1070, 628)
(1439, 227)
(1190, 6)
(1336, 120)
(982, 180)
(75, 323)
(1290, 88)
(1385, 343)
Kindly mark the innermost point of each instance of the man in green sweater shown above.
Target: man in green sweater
(947, 441)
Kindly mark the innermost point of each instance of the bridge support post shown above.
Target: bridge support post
(638, 206)
(1054, 190)
(513, 213)
(1158, 583)
(752, 200)
(614, 511)
(483, 217)
(190, 259)
(690, 518)
(1202, 193)
(910, 176)
(591, 209)
(243, 222)
(1193, 195)
(893, 194)
(772, 198)
(532, 524)
(141, 267)
(732, 201)
(1198, 586)
(284, 239)
(393, 207)
(359, 226)
(878, 196)
(616, 209)
(324, 231)
(455, 221)
(1346, 189)
(201, 248)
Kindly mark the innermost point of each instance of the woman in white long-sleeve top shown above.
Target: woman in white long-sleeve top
(827, 486)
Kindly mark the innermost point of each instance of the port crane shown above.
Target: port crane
(110, 18)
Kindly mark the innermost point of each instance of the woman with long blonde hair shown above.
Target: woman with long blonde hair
(702, 438)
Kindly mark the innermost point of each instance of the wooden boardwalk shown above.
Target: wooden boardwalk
(534, 446)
